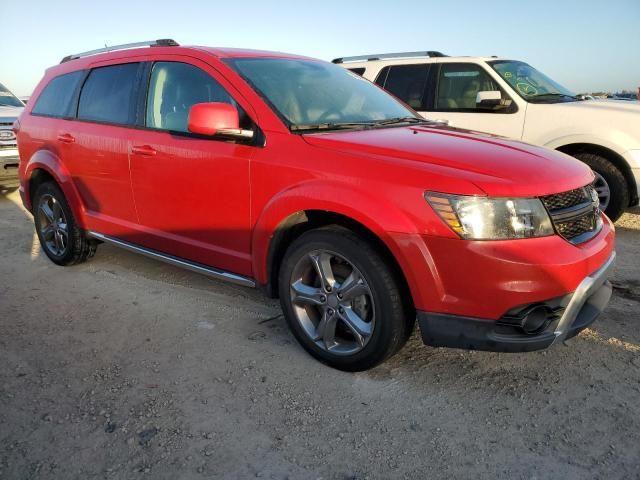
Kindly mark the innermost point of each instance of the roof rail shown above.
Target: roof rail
(163, 42)
(380, 56)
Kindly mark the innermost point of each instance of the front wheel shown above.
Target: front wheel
(610, 184)
(342, 300)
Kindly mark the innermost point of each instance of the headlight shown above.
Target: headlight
(485, 218)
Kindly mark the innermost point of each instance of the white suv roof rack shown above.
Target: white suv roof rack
(380, 56)
(163, 42)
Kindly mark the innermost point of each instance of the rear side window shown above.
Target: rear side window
(55, 99)
(108, 94)
(357, 70)
(406, 82)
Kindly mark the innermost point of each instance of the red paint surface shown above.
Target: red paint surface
(219, 203)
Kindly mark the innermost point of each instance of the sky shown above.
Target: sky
(584, 45)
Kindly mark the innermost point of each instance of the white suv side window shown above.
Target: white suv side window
(458, 87)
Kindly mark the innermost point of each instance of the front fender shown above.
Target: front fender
(51, 164)
(562, 141)
(385, 220)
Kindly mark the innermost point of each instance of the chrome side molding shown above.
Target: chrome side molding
(178, 262)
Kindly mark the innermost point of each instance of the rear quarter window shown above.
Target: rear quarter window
(55, 99)
(108, 94)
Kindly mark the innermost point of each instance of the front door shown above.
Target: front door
(191, 193)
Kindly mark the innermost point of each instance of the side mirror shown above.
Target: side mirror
(489, 98)
(220, 119)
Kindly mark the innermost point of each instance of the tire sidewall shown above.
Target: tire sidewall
(618, 189)
(379, 345)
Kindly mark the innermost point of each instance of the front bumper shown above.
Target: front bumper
(578, 310)
(9, 161)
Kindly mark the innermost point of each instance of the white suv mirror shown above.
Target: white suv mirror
(487, 98)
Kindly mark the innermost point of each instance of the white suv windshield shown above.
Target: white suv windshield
(8, 99)
(531, 84)
(309, 94)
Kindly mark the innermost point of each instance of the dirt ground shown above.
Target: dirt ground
(124, 367)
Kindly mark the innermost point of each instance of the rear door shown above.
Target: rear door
(456, 88)
(192, 192)
(97, 144)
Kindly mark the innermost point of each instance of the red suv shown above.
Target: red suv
(295, 175)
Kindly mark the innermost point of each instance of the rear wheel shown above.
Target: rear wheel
(60, 237)
(610, 184)
(342, 300)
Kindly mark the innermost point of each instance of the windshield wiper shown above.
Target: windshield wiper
(330, 126)
(393, 121)
(552, 95)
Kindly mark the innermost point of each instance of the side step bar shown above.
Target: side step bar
(178, 262)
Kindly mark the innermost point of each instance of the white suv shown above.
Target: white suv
(512, 99)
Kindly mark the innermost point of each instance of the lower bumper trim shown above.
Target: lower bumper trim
(585, 305)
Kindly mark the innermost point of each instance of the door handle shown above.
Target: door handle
(145, 150)
(66, 138)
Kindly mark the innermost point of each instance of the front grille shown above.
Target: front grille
(568, 199)
(575, 214)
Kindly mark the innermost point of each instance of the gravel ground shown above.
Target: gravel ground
(124, 367)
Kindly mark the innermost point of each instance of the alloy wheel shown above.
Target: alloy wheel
(604, 193)
(53, 226)
(332, 302)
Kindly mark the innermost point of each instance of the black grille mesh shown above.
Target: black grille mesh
(568, 199)
(573, 227)
(577, 226)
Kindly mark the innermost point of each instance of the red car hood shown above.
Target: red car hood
(496, 165)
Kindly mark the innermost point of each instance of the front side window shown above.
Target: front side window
(406, 82)
(8, 99)
(55, 99)
(174, 88)
(531, 84)
(459, 85)
(308, 93)
(108, 94)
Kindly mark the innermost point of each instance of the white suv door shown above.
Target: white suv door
(462, 99)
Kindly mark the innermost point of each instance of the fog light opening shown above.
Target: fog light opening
(536, 320)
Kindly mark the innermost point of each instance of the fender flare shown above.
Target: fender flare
(563, 141)
(321, 195)
(49, 162)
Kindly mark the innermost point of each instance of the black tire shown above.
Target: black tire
(78, 247)
(394, 318)
(619, 190)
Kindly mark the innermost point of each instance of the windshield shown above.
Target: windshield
(8, 99)
(310, 94)
(531, 84)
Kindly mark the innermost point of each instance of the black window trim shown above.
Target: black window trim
(511, 109)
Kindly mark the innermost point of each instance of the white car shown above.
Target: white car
(10, 108)
(512, 99)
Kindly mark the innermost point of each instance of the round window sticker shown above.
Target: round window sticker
(526, 89)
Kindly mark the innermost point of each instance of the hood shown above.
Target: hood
(497, 166)
(601, 106)
(9, 114)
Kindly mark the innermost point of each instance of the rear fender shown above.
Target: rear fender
(50, 163)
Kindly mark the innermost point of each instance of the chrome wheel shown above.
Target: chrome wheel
(332, 302)
(602, 188)
(53, 226)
